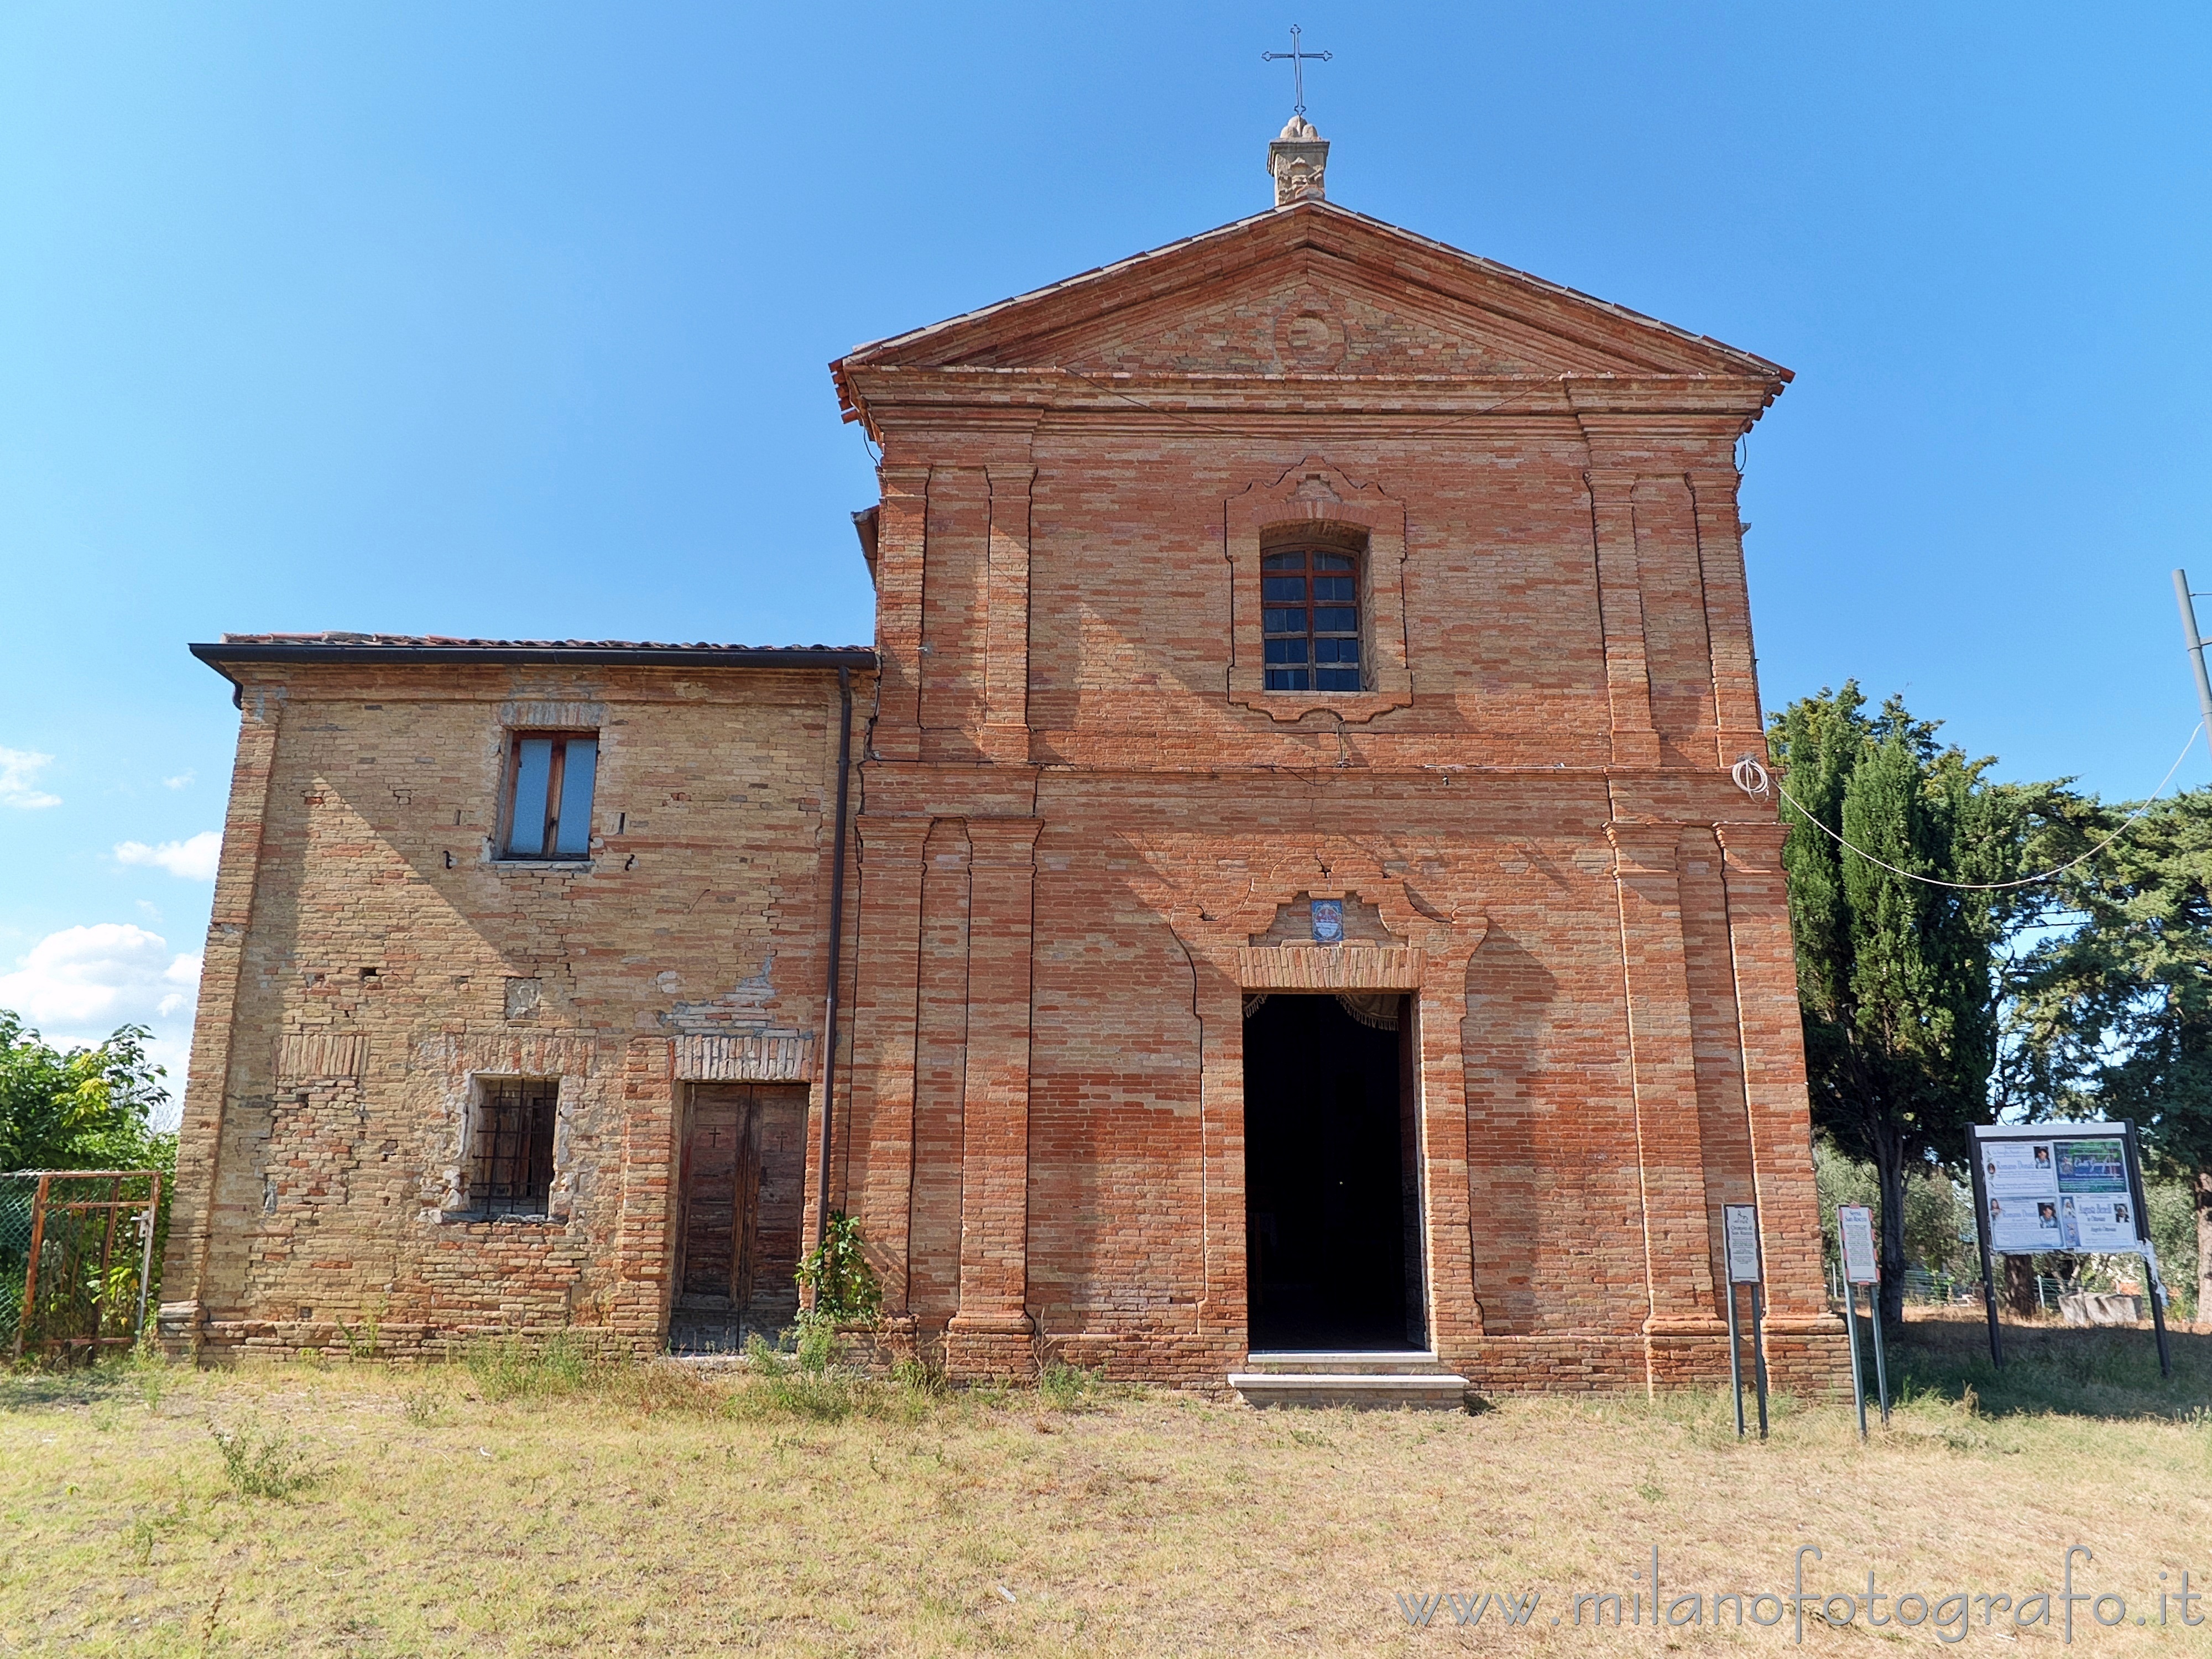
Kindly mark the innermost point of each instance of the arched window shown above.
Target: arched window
(1310, 617)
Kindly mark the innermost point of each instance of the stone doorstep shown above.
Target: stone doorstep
(1360, 1362)
(1424, 1391)
(1402, 1377)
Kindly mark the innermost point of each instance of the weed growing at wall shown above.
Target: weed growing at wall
(845, 1288)
(1065, 1388)
(511, 1368)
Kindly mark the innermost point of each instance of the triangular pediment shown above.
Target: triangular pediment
(1313, 289)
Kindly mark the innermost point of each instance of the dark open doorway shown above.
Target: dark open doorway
(1332, 1175)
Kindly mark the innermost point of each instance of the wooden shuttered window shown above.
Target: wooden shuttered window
(550, 777)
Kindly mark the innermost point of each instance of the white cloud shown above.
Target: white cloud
(93, 979)
(194, 860)
(179, 781)
(19, 775)
(78, 985)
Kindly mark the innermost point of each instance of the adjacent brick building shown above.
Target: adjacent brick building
(1293, 893)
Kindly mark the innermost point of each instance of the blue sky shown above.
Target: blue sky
(512, 320)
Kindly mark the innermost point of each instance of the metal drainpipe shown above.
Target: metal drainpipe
(836, 954)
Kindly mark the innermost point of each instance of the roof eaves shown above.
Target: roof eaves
(849, 402)
(1096, 273)
(426, 652)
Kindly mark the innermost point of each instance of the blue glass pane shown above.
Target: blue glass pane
(1333, 587)
(533, 765)
(1284, 562)
(1336, 619)
(1286, 679)
(1336, 650)
(1292, 588)
(1331, 562)
(1283, 622)
(1339, 679)
(1286, 650)
(573, 837)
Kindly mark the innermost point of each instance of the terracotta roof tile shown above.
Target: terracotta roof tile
(442, 641)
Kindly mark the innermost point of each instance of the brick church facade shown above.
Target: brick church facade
(1274, 888)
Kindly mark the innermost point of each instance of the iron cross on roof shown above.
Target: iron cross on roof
(1298, 62)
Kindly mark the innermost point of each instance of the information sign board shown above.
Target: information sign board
(1855, 1224)
(2057, 1186)
(1741, 1229)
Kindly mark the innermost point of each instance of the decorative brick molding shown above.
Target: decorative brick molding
(575, 716)
(1330, 968)
(310, 1057)
(1314, 492)
(744, 1060)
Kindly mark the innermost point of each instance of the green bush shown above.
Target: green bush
(845, 1287)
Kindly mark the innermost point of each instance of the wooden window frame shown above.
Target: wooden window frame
(557, 779)
(1293, 640)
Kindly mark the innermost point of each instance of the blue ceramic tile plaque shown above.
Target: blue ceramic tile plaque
(1329, 921)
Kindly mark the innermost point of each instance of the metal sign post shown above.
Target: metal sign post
(1881, 1354)
(1758, 1349)
(1988, 1259)
(2152, 1281)
(1736, 1360)
(1741, 1229)
(1854, 1228)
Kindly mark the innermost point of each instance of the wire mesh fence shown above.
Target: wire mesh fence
(76, 1259)
(1921, 1286)
(17, 1199)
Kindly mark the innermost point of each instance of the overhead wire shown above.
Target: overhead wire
(1759, 778)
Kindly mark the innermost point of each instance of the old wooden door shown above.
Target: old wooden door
(745, 1165)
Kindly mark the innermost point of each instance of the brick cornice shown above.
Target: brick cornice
(1006, 843)
(1755, 846)
(964, 406)
(1643, 845)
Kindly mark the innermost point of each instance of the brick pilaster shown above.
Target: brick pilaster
(991, 1331)
(645, 1226)
(883, 1034)
(1225, 1306)
(954, 593)
(1728, 613)
(1621, 608)
(940, 1076)
(1775, 1106)
(1440, 1011)
(1663, 1075)
(1006, 733)
(902, 532)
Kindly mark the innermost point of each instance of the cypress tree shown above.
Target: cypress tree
(1896, 977)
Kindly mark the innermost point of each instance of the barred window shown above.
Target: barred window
(549, 779)
(1310, 615)
(511, 1154)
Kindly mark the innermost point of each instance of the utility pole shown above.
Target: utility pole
(2195, 648)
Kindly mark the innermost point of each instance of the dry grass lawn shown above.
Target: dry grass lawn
(510, 1509)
